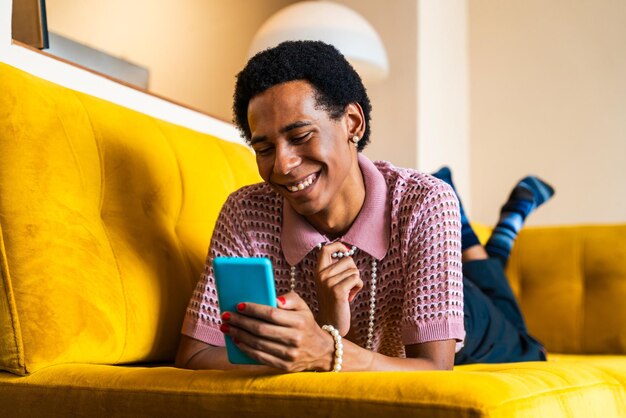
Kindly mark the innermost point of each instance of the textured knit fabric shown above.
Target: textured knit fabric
(468, 236)
(419, 291)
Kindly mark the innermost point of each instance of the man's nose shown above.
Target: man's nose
(286, 159)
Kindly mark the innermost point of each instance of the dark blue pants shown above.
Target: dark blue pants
(494, 325)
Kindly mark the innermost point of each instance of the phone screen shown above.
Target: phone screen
(243, 279)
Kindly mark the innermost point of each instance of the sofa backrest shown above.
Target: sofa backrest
(105, 219)
(571, 283)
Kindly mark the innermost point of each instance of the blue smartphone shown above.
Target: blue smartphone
(243, 279)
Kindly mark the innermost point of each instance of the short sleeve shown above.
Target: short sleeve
(202, 317)
(433, 306)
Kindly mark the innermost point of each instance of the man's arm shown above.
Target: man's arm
(197, 355)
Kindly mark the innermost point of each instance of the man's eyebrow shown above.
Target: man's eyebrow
(284, 129)
(256, 139)
(295, 125)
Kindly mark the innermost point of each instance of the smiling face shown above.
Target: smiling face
(306, 155)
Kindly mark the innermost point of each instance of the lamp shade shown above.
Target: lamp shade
(332, 23)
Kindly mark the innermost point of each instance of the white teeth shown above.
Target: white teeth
(302, 185)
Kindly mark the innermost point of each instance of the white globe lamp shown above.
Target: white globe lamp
(332, 23)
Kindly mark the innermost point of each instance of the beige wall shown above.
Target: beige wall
(443, 90)
(548, 96)
(547, 92)
(394, 100)
(193, 48)
(421, 114)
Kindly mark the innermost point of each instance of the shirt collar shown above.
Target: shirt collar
(370, 231)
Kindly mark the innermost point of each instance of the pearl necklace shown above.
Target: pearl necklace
(372, 312)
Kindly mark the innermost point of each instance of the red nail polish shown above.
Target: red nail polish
(281, 300)
(225, 316)
(235, 340)
(241, 307)
(224, 328)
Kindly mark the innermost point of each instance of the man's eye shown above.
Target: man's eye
(301, 138)
(263, 151)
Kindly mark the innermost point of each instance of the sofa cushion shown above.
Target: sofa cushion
(537, 389)
(571, 284)
(105, 219)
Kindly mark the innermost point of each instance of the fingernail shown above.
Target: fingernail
(225, 316)
(241, 307)
(281, 300)
(235, 340)
(224, 328)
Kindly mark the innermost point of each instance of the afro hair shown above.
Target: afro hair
(336, 83)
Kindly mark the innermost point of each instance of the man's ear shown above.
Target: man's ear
(355, 119)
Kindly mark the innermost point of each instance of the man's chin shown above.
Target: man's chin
(305, 209)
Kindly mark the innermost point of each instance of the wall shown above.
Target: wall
(443, 90)
(394, 100)
(421, 111)
(546, 87)
(73, 77)
(194, 48)
(548, 96)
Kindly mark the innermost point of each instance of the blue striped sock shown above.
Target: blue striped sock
(468, 237)
(528, 195)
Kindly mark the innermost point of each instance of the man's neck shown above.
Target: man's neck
(336, 220)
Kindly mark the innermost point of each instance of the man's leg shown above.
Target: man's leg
(495, 327)
(468, 237)
(490, 336)
(488, 275)
(530, 193)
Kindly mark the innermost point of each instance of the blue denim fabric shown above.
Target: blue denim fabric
(494, 325)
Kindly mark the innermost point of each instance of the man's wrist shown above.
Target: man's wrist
(327, 355)
(338, 352)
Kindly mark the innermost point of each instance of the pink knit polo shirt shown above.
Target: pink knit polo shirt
(409, 222)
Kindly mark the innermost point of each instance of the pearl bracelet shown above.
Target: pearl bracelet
(338, 360)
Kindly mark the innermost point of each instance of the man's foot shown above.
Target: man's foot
(530, 193)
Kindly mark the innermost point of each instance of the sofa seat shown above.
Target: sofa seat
(535, 389)
(614, 366)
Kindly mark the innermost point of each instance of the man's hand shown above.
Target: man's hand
(286, 337)
(338, 282)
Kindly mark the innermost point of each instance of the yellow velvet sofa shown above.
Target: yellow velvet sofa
(105, 218)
